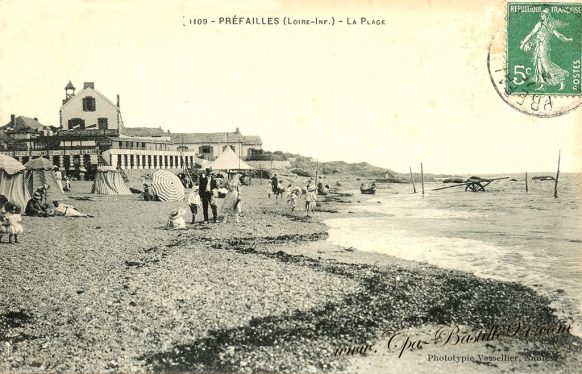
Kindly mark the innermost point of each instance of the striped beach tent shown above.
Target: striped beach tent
(40, 172)
(12, 184)
(108, 181)
(167, 186)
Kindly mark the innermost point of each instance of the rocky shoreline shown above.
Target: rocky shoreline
(119, 294)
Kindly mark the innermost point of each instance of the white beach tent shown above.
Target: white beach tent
(12, 180)
(201, 163)
(108, 181)
(228, 160)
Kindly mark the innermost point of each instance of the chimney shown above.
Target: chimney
(36, 119)
(118, 102)
(237, 131)
(89, 85)
(12, 120)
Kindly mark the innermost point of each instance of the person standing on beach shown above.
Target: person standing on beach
(310, 197)
(194, 202)
(275, 184)
(205, 190)
(58, 177)
(231, 204)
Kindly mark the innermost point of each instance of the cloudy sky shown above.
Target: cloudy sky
(416, 89)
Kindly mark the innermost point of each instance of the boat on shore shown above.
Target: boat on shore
(368, 189)
(543, 178)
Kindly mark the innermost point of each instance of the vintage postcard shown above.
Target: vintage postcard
(276, 186)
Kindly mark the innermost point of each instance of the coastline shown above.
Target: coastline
(267, 295)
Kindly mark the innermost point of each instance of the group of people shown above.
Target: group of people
(206, 195)
(186, 180)
(63, 181)
(310, 192)
(38, 206)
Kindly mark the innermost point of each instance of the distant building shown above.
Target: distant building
(92, 132)
(19, 134)
(211, 145)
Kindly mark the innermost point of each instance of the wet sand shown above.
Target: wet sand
(118, 293)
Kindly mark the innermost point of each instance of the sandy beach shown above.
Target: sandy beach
(118, 293)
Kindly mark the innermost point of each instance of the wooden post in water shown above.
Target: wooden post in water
(412, 179)
(557, 176)
(316, 172)
(526, 190)
(422, 178)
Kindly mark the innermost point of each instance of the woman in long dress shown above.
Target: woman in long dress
(231, 205)
(537, 41)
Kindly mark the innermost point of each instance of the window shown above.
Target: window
(205, 149)
(102, 123)
(76, 123)
(88, 104)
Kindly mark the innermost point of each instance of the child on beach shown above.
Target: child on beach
(11, 225)
(66, 183)
(293, 196)
(194, 202)
(310, 197)
(176, 221)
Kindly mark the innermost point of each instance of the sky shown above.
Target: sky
(413, 90)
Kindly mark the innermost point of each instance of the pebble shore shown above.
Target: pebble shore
(118, 293)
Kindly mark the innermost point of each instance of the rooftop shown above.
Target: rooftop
(26, 124)
(215, 137)
(144, 132)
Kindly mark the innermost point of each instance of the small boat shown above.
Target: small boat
(368, 189)
(544, 178)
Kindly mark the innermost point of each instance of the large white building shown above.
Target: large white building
(92, 132)
(89, 109)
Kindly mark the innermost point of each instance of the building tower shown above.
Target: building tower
(69, 92)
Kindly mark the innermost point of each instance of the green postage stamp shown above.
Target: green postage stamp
(544, 48)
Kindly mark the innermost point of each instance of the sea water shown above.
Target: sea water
(504, 233)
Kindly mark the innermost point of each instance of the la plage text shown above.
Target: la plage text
(284, 21)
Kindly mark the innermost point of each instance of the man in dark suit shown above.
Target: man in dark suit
(207, 184)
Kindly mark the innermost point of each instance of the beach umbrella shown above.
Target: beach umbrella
(167, 186)
(40, 163)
